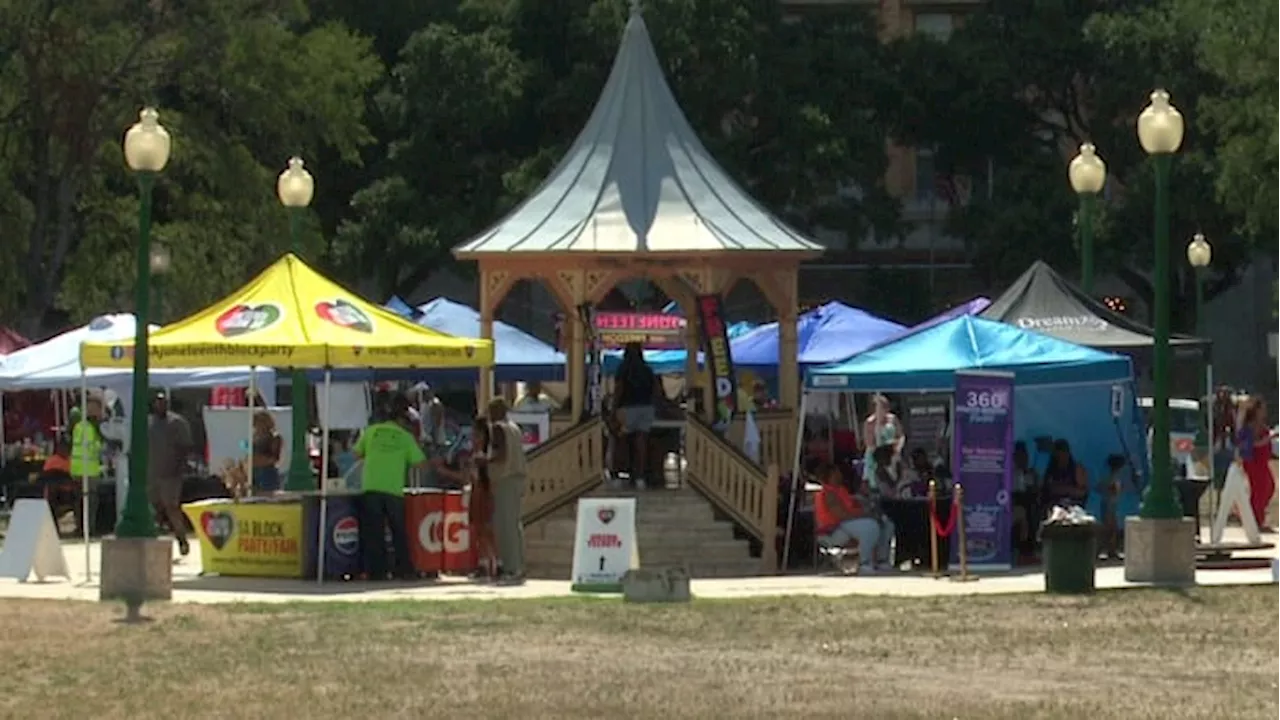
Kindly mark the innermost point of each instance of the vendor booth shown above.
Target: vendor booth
(1060, 390)
(54, 364)
(290, 316)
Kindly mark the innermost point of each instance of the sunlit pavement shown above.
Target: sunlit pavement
(190, 587)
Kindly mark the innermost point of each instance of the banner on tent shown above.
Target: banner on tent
(983, 462)
(715, 339)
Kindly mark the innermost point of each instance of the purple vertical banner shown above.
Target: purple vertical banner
(982, 462)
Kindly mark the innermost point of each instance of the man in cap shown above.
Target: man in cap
(169, 445)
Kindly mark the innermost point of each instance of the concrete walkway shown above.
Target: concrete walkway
(190, 587)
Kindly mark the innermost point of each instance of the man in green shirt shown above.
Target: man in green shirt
(388, 451)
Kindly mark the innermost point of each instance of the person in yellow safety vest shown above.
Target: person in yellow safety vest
(86, 455)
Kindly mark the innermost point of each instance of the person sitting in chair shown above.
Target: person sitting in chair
(845, 520)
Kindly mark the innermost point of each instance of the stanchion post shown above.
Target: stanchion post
(962, 550)
(933, 530)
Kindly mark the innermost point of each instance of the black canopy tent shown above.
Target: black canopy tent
(1043, 301)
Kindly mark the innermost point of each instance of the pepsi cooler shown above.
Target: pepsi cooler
(342, 534)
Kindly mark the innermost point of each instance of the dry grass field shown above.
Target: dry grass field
(1202, 653)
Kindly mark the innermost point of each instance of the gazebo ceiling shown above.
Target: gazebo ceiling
(638, 180)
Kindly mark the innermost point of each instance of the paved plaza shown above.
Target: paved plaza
(190, 587)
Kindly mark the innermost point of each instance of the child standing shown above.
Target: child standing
(481, 504)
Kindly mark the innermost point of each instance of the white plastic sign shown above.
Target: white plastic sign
(604, 544)
(31, 544)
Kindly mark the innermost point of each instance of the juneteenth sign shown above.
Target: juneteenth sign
(715, 340)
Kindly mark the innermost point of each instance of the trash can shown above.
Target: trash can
(1070, 552)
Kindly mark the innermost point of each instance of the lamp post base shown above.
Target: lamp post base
(136, 570)
(1160, 551)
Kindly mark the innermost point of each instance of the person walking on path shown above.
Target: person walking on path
(388, 450)
(169, 444)
(508, 474)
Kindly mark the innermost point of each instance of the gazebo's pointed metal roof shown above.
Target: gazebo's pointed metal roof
(637, 179)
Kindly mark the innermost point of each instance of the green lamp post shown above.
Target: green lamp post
(1199, 255)
(1160, 130)
(295, 188)
(1088, 174)
(161, 261)
(146, 151)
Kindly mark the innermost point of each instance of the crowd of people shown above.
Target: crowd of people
(848, 506)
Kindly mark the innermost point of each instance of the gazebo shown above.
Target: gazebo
(639, 196)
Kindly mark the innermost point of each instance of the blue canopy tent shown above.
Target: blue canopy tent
(826, 334)
(1061, 390)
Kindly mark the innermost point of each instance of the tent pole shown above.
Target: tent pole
(248, 403)
(3, 445)
(324, 471)
(795, 480)
(1207, 399)
(84, 479)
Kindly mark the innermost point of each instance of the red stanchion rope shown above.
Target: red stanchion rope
(951, 521)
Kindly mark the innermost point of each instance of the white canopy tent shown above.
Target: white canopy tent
(55, 365)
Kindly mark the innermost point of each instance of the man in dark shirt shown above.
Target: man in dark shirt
(169, 444)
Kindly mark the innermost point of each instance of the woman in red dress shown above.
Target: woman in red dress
(1253, 445)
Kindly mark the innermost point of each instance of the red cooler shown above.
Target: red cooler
(424, 511)
(455, 535)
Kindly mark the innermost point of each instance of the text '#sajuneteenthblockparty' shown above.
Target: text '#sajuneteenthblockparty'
(221, 350)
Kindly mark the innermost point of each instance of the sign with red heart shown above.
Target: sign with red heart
(344, 314)
(218, 527)
(606, 515)
(241, 319)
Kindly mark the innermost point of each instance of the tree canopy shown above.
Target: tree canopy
(424, 122)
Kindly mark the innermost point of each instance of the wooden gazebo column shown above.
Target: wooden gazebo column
(780, 286)
(495, 283)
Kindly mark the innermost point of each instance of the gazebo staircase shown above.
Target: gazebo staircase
(721, 523)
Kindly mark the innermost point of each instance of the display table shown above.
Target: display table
(279, 536)
(256, 537)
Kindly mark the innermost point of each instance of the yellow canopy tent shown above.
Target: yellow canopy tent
(292, 316)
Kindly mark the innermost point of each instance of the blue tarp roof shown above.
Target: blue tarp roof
(928, 359)
(827, 334)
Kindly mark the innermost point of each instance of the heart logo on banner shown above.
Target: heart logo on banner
(470, 351)
(344, 314)
(218, 527)
(242, 319)
(606, 515)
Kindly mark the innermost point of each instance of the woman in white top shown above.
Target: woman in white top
(881, 427)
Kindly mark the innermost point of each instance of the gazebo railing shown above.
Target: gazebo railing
(735, 485)
(563, 469)
(777, 437)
